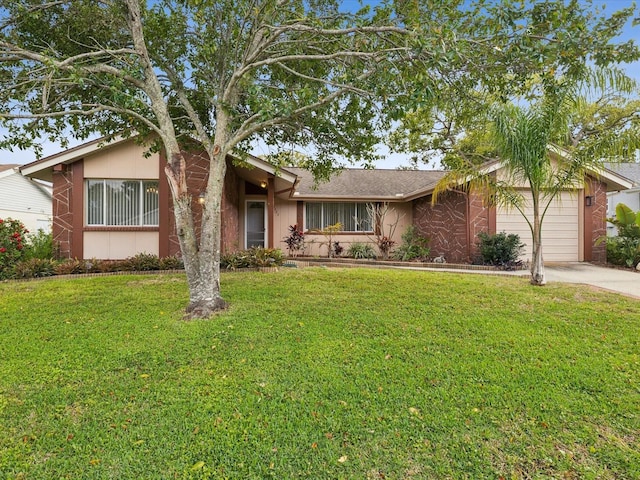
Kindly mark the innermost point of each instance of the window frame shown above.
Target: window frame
(141, 214)
(355, 215)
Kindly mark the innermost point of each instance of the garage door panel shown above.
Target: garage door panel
(560, 229)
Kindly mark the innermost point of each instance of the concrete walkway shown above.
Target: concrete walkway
(621, 281)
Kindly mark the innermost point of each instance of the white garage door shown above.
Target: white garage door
(560, 229)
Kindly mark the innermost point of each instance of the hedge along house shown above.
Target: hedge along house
(111, 201)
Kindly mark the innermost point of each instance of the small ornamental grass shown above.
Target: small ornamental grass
(319, 373)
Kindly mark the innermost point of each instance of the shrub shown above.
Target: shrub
(254, 257)
(40, 245)
(295, 240)
(171, 263)
(12, 247)
(625, 248)
(265, 257)
(501, 249)
(235, 260)
(70, 266)
(142, 262)
(35, 268)
(414, 246)
(361, 251)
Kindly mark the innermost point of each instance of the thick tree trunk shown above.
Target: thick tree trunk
(201, 259)
(537, 263)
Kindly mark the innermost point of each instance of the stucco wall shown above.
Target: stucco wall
(285, 215)
(123, 161)
(119, 245)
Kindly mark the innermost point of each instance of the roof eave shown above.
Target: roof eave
(69, 156)
(351, 198)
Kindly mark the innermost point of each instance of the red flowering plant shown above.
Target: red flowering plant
(295, 240)
(12, 238)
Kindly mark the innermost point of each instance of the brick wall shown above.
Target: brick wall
(452, 225)
(598, 220)
(62, 228)
(197, 176)
(444, 224)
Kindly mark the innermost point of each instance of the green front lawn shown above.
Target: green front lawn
(319, 373)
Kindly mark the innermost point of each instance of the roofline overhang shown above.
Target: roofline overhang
(281, 173)
(76, 153)
(350, 198)
(71, 155)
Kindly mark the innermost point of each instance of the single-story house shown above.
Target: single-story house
(22, 198)
(112, 201)
(630, 197)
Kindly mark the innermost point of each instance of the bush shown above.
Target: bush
(414, 246)
(70, 266)
(12, 248)
(361, 251)
(625, 248)
(35, 268)
(171, 263)
(295, 240)
(500, 249)
(252, 258)
(142, 262)
(40, 245)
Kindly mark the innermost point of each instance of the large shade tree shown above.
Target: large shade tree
(221, 73)
(211, 73)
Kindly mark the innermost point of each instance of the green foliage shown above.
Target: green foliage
(142, 262)
(40, 245)
(252, 258)
(500, 249)
(361, 251)
(329, 232)
(34, 268)
(71, 266)
(320, 374)
(12, 245)
(413, 247)
(625, 248)
(171, 263)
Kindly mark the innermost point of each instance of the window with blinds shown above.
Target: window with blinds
(354, 217)
(122, 203)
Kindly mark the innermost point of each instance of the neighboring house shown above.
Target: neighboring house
(24, 199)
(630, 197)
(113, 201)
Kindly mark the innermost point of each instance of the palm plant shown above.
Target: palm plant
(544, 147)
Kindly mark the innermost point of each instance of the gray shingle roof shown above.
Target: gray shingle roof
(366, 184)
(628, 170)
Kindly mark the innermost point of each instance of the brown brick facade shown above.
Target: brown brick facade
(453, 224)
(197, 176)
(595, 221)
(68, 211)
(62, 228)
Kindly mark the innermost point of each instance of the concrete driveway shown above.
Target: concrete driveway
(622, 281)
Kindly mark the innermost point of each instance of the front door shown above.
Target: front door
(255, 224)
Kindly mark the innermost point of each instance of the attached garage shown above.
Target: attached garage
(561, 228)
